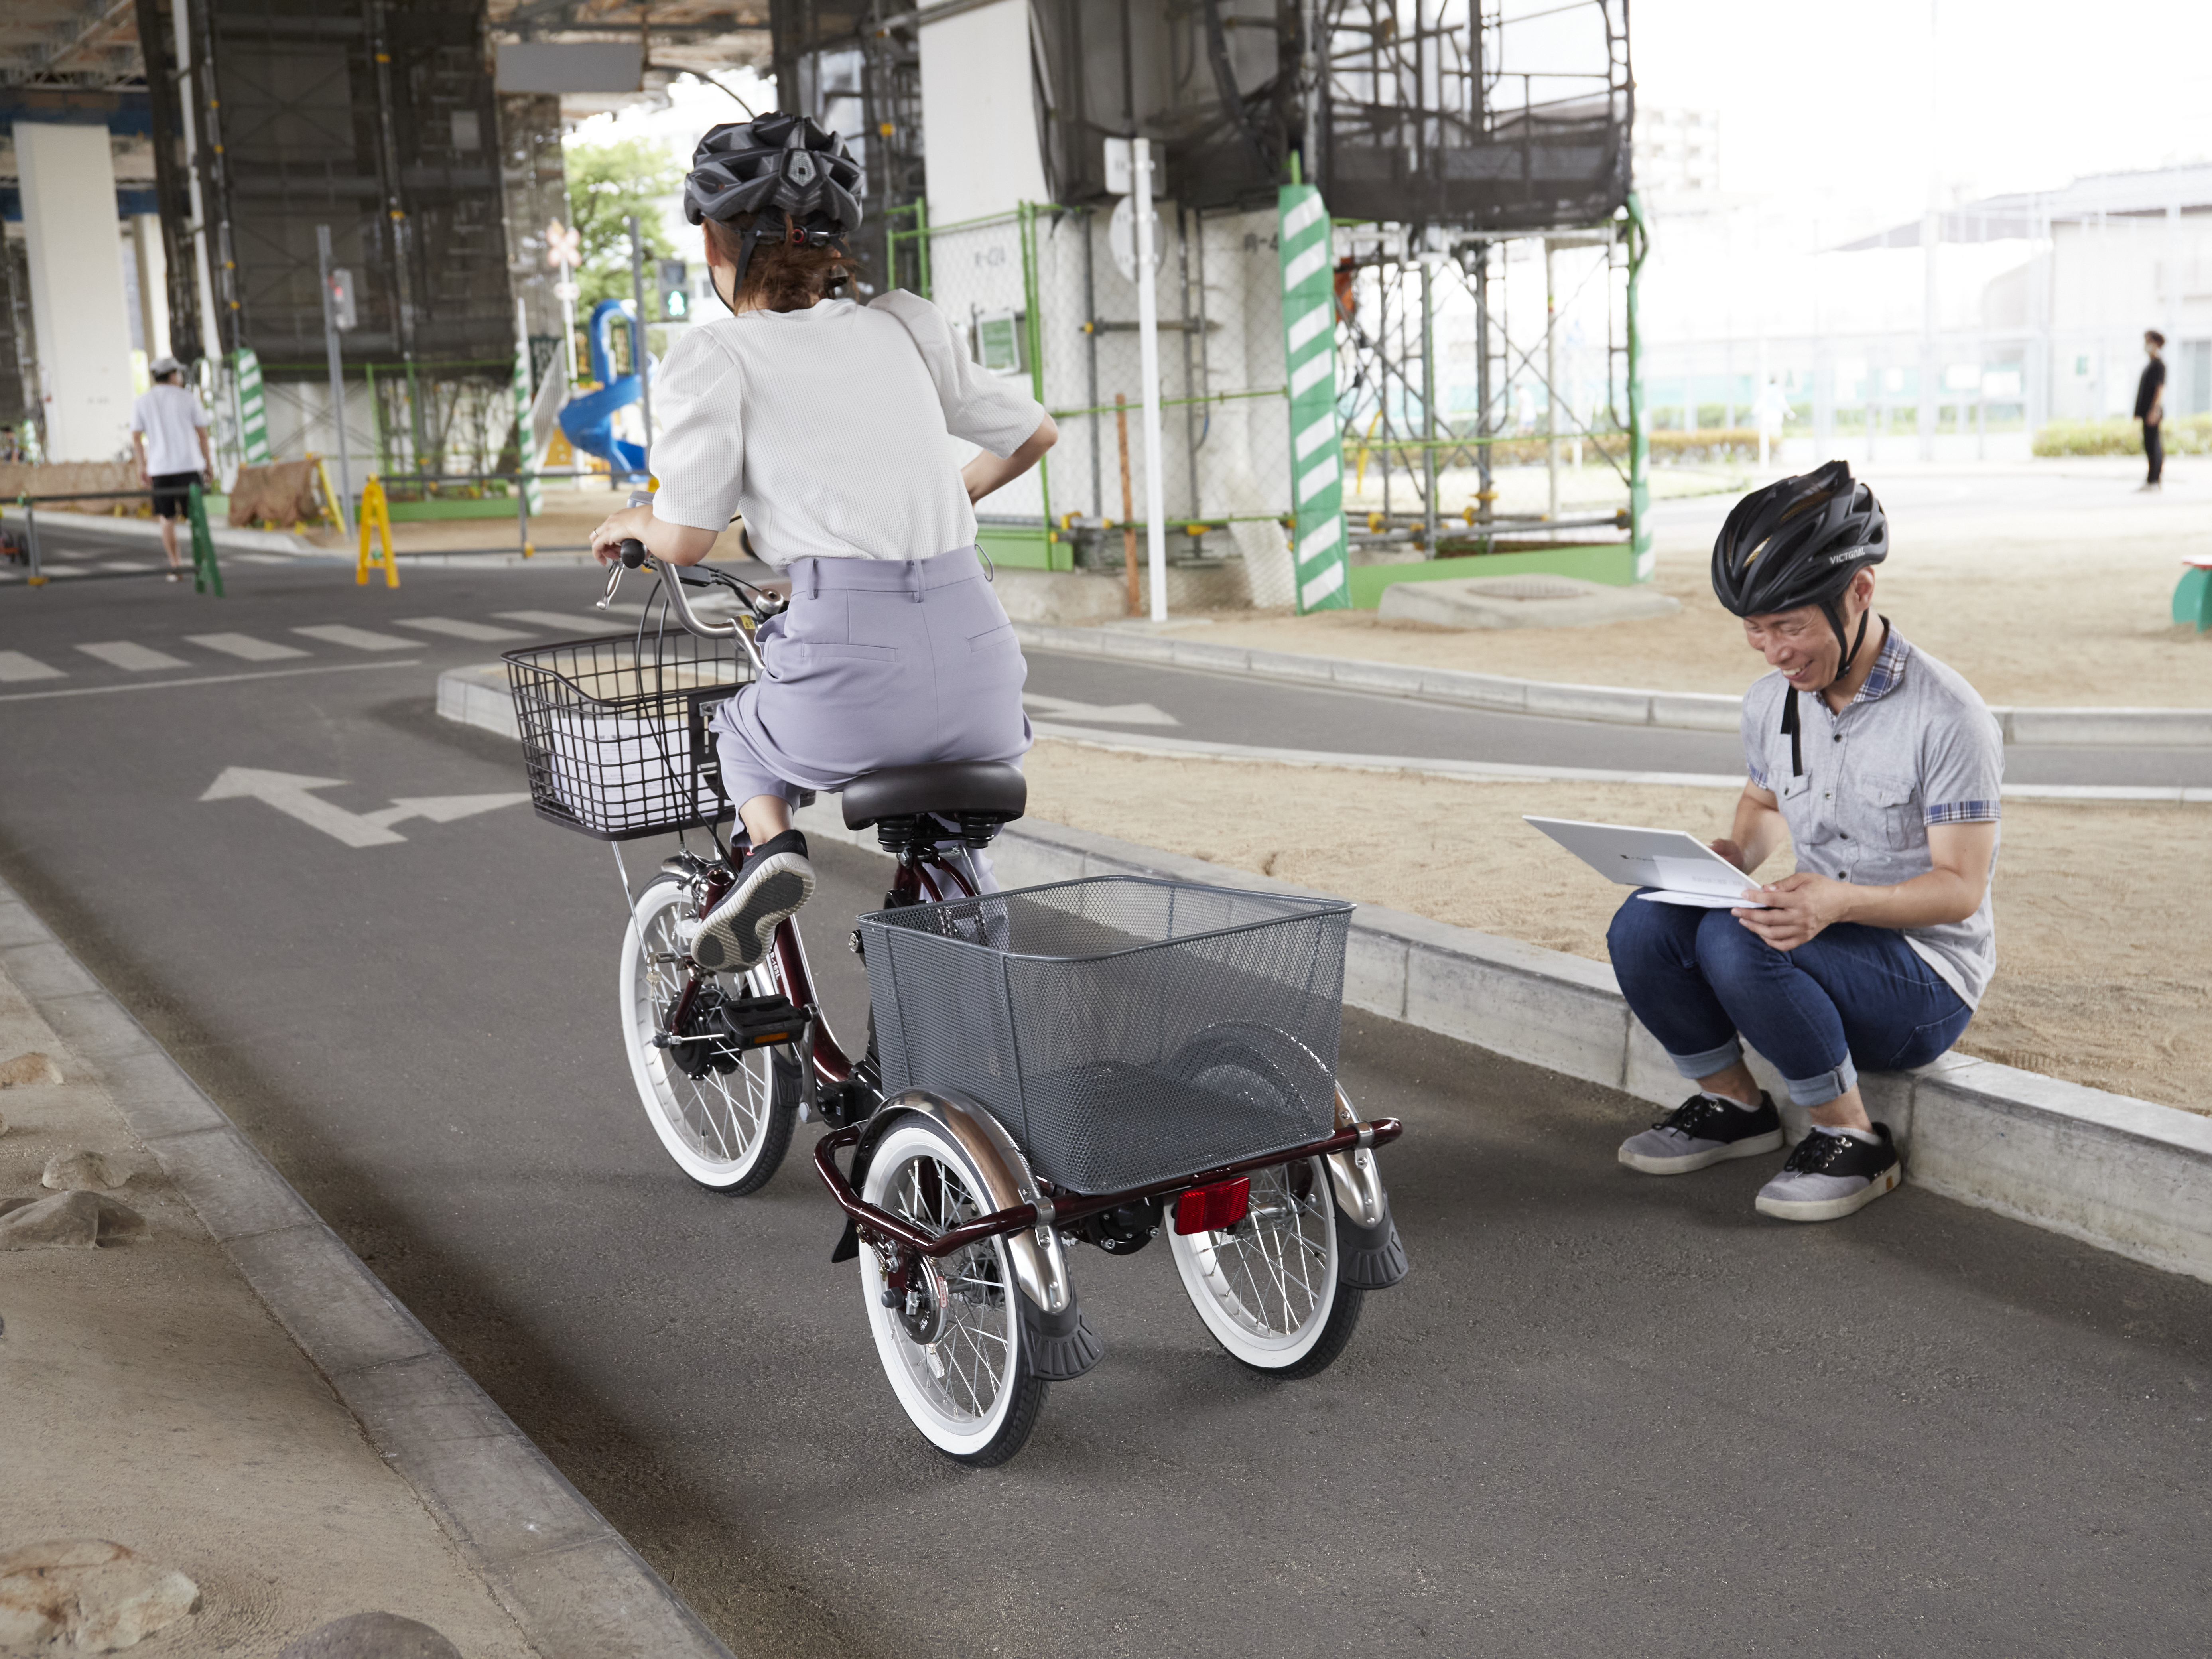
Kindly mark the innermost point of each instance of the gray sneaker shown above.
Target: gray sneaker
(1703, 1130)
(773, 882)
(1829, 1175)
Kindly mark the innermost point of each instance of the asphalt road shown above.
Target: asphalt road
(1606, 1414)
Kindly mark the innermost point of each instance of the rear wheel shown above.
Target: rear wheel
(729, 1127)
(951, 1338)
(1267, 1287)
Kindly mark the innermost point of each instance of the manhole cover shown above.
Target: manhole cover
(1527, 588)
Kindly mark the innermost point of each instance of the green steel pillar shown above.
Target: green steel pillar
(205, 574)
(1639, 435)
(1033, 348)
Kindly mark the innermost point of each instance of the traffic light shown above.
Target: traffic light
(675, 284)
(342, 314)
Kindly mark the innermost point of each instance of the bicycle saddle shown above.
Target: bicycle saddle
(986, 790)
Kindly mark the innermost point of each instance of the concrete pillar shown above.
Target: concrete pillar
(78, 305)
(152, 282)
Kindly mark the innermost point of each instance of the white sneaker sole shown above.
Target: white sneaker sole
(1829, 1209)
(736, 936)
(1752, 1147)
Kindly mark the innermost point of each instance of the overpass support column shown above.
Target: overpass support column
(73, 238)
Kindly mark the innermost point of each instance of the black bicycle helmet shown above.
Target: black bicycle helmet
(778, 164)
(1800, 541)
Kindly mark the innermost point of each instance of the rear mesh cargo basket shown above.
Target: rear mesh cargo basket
(1125, 1030)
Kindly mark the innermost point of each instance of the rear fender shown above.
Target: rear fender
(1040, 1262)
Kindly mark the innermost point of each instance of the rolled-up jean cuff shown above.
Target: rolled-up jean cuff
(1713, 1059)
(1810, 1092)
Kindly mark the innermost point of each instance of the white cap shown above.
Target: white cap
(163, 365)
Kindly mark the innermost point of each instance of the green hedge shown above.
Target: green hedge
(2190, 435)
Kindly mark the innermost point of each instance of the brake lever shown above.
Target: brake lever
(633, 555)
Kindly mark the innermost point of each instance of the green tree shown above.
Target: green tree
(607, 183)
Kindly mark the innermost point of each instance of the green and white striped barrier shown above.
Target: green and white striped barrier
(1309, 359)
(252, 409)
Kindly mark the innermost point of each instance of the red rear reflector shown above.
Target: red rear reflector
(1213, 1209)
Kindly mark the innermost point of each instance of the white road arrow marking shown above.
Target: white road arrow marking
(441, 809)
(1117, 713)
(290, 794)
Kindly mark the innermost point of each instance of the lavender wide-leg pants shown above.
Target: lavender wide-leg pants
(877, 663)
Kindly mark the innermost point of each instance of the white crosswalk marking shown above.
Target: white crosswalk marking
(15, 665)
(263, 558)
(244, 646)
(358, 639)
(118, 564)
(137, 659)
(568, 622)
(460, 630)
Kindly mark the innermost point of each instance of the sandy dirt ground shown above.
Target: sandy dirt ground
(151, 1399)
(2104, 967)
(2006, 598)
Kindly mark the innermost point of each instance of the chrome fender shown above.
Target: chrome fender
(1354, 1174)
(1040, 1262)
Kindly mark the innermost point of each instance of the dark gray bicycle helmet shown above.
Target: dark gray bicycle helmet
(1800, 541)
(778, 165)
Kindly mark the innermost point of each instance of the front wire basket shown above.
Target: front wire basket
(614, 731)
(1125, 1029)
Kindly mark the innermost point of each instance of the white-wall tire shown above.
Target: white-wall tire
(727, 1131)
(1267, 1288)
(970, 1392)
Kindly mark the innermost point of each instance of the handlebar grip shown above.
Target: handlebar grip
(633, 554)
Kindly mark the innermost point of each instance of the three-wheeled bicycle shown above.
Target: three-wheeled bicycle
(1099, 1061)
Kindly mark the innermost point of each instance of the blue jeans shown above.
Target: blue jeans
(1851, 996)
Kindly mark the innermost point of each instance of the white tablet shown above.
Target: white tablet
(1681, 868)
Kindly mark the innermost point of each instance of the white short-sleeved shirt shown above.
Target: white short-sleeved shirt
(830, 430)
(170, 417)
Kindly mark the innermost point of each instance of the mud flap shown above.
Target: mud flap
(1370, 1258)
(1062, 1346)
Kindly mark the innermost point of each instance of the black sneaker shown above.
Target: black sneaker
(774, 881)
(1830, 1174)
(1703, 1130)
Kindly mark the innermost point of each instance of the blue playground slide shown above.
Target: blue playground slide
(588, 418)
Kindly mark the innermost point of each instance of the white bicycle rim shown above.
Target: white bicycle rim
(959, 1389)
(715, 1126)
(1266, 1290)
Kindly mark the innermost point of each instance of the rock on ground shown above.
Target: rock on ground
(26, 1069)
(85, 1596)
(78, 1172)
(73, 1220)
(371, 1636)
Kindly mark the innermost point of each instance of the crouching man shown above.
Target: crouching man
(1882, 767)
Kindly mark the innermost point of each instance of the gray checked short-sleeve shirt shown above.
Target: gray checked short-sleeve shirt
(1917, 746)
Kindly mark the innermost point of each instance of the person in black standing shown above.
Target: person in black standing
(2150, 404)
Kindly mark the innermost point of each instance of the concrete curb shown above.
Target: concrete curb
(578, 1590)
(1686, 711)
(2127, 1176)
(226, 539)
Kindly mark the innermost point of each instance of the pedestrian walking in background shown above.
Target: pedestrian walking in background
(2150, 404)
(168, 434)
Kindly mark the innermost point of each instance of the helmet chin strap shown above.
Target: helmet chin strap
(746, 240)
(1789, 728)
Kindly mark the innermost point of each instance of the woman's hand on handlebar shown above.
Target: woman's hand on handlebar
(631, 524)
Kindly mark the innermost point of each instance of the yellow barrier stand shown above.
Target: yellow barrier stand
(374, 517)
(330, 514)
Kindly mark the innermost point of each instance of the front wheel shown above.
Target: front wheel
(951, 1338)
(729, 1126)
(1267, 1287)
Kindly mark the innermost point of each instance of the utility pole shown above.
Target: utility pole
(332, 322)
(1551, 381)
(1148, 358)
(638, 367)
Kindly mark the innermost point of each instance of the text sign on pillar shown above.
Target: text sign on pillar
(1309, 359)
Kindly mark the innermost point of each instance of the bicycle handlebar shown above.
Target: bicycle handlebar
(633, 557)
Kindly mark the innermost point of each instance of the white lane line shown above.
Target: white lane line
(567, 623)
(208, 679)
(244, 646)
(137, 659)
(263, 558)
(15, 665)
(1502, 772)
(121, 564)
(460, 630)
(357, 639)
